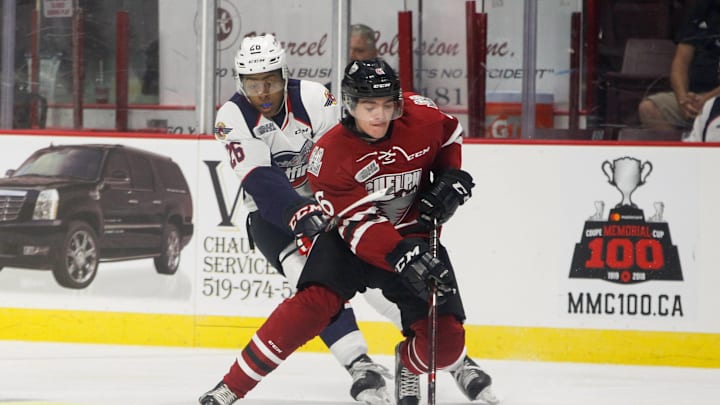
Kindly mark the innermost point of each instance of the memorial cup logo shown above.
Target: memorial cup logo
(623, 247)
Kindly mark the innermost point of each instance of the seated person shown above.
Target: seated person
(693, 73)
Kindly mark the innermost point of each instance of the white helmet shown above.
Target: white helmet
(260, 54)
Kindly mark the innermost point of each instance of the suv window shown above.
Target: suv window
(79, 163)
(117, 166)
(170, 176)
(141, 170)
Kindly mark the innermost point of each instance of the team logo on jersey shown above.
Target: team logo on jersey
(302, 131)
(422, 100)
(294, 164)
(263, 129)
(623, 247)
(388, 157)
(221, 131)
(329, 99)
(405, 185)
(367, 172)
(315, 162)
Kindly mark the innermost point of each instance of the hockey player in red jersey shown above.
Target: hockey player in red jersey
(386, 140)
(402, 141)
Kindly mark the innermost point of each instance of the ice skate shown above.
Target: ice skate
(368, 382)
(407, 384)
(474, 382)
(220, 395)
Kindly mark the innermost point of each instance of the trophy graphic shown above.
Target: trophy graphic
(623, 247)
(626, 174)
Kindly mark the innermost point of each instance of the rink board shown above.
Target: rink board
(524, 248)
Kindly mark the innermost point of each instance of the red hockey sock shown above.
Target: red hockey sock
(415, 351)
(294, 322)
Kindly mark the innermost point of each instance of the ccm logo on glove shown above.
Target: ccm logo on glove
(406, 258)
(300, 214)
(418, 268)
(462, 191)
(306, 218)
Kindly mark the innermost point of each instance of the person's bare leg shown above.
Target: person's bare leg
(651, 117)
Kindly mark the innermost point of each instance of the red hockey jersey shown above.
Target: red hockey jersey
(343, 168)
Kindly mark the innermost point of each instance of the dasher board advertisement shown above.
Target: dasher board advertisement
(558, 236)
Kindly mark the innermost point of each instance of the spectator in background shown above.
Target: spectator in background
(361, 45)
(363, 42)
(693, 74)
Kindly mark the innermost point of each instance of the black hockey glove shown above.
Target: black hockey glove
(306, 218)
(450, 190)
(418, 268)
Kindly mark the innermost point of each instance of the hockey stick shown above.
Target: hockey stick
(432, 324)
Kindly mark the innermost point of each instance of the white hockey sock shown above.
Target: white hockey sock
(383, 306)
(349, 347)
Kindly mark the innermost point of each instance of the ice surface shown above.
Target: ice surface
(79, 374)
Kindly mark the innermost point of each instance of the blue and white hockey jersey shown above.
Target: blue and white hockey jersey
(706, 127)
(270, 156)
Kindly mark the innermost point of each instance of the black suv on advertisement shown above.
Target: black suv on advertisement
(67, 208)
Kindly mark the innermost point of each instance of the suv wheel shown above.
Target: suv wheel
(169, 259)
(78, 257)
